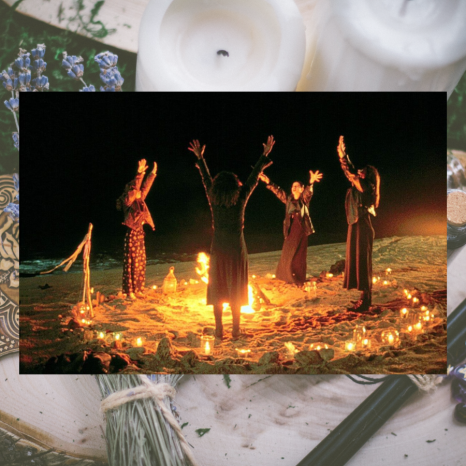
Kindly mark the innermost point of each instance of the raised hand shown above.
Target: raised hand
(142, 166)
(195, 147)
(341, 148)
(315, 176)
(268, 145)
(264, 178)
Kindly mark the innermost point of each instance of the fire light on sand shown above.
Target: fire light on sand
(202, 270)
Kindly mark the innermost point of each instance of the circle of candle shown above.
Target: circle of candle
(243, 352)
(359, 333)
(366, 343)
(404, 313)
(138, 342)
(390, 337)
(179, 40)
(386, 45)
(350, 345)
(207, 344)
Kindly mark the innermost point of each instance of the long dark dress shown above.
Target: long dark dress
(136, 214)
(360, 238)
(228, 273)
(297, 226)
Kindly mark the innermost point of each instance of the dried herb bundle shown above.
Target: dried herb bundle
(137, 432)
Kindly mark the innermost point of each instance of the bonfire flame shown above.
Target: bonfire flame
(203, 266)
(244, 309)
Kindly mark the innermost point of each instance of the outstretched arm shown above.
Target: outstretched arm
(273, 187)
(346, 165)
(148, 182)
(261, 165)
(198, 151)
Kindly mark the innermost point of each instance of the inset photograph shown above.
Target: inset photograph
(233, 233)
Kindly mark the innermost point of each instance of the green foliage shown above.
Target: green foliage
(18, 31)
(456, 117)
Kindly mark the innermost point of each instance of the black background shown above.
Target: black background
(79, 150)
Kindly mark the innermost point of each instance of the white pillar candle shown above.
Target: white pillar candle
(180, 41)
(386, 45)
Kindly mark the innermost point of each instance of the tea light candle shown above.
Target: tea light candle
(139, 341)
(243, 352)
(117, 336)
(366, 343)
(207, 344)
(350, 345)
(386, 45)
(329, 275)
(220, 45)
(388, 271)
(404, 313)
(390, 337)
(359, 333)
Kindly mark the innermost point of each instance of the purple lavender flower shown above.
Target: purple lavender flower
(12, 104)
(72, 66)
(23, 62)
(13, 210)
(15, 137)
(41, 84)
(106, 60)
(39, 65)
(91, 88)
(112, 80)
(38, 52)
(15, 177)
(9, 79)
(24, 81)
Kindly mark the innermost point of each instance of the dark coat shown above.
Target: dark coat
(357, 203)
(228, 272)
(135, 210)
(303, 203)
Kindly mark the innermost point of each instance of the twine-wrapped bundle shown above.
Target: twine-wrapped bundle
(141, 426)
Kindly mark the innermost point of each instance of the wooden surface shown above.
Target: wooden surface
(260, 420)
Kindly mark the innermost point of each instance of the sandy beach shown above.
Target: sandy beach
(316, 322)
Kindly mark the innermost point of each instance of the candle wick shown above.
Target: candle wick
(224, 53)
(404, 7)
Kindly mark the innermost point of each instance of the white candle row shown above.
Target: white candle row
(260, 45)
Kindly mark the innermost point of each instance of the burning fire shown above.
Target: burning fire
(203, 270)
(203, 266)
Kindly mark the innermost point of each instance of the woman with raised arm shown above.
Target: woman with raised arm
(136, 214)
(297, 226)
(228, 273)
(362, 198)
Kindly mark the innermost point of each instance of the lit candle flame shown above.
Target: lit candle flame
(207, 348)
(139, 341)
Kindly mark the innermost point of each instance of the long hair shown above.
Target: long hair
(373, 177)
(225, 189)
(128, 187)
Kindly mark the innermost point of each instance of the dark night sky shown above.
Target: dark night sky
(79, 150)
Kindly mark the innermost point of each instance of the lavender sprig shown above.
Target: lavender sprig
(109, 73)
